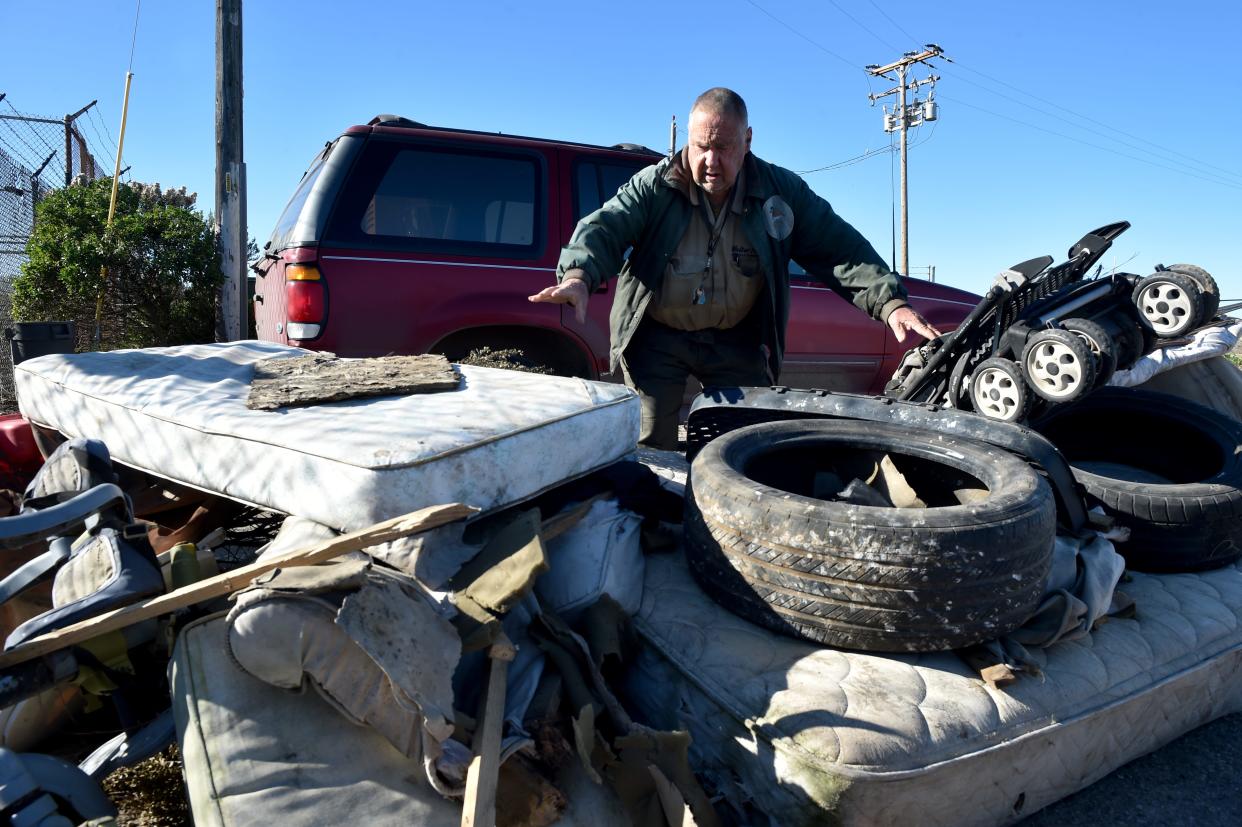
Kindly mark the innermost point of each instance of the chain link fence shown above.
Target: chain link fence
(33, 154)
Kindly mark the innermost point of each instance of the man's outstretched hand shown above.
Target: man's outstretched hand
(573, 291)
(907, 318)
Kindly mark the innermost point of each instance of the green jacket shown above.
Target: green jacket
(651, 211)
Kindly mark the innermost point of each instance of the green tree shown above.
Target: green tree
(163, 269)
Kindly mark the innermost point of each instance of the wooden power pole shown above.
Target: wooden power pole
(230, 172)
(903, 117)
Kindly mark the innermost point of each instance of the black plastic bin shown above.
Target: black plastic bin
(30, 339)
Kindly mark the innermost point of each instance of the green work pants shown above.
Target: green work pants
(660, 359)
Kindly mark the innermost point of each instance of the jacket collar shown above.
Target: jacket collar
(758, 185)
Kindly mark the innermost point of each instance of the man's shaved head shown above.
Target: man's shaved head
(719, 138)
(722, 101)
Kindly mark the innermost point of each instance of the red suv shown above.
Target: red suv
(404, 238)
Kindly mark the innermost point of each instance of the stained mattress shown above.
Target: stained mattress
(255, 754)
(807, 733)
(180, 413)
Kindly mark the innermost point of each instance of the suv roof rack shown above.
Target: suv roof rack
(397, 120)
(635, 148)
(394, 120)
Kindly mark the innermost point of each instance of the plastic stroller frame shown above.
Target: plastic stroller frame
(1023, 299)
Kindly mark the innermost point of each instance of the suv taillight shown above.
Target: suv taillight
(305, 301)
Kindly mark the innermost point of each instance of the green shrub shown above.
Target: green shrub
(160, 254)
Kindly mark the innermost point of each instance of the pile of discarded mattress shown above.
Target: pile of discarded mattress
(561, 656)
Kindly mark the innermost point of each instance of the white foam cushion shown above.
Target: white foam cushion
(180, 413)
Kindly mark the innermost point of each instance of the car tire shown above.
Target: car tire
(1169, 303)
(868, 577)
(1100, 343)
(1166, 468)
(998, 390)
(1207, 284)
(1058, 365)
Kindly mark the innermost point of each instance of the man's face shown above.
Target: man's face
(717, 145)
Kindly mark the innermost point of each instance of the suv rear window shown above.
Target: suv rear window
(284, 226)
(441, 200)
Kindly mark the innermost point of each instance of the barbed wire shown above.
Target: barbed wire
(32, 163)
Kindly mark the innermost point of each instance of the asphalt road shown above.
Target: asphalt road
(1194, 780)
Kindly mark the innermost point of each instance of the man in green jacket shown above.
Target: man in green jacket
(705, 291)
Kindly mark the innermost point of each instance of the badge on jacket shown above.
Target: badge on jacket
(778, 218)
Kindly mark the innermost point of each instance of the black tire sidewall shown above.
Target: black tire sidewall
(970, 573)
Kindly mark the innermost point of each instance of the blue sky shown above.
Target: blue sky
(1055, 118)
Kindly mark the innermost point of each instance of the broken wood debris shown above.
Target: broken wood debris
(324, 377)
(232, 581)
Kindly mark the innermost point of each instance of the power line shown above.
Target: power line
(1201, 166)
(134, 42)
(1095, 146)
(897, 25)
(860, 25)
(930, 135)
(819, 46)
(892, 194)
(1080, 115)
(1194, 168)
(857, 159)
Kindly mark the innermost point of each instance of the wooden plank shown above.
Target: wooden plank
(479, 805)
(231, 581)
(322, 377)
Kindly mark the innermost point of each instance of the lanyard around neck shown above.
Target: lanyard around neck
(717, 225)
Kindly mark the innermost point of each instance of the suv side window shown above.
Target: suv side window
(437, 199)
(597, 181)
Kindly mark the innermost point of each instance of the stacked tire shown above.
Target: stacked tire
(961, 571)
(1167, 469)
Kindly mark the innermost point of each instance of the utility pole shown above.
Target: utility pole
(230, 171)
(903, 117)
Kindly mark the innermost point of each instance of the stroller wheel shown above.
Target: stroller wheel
(1100, 343)
(998, 391)
(1169, 303)
(1058, 365)
(1207, 286)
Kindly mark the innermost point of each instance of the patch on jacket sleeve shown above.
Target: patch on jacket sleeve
(778, 218)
